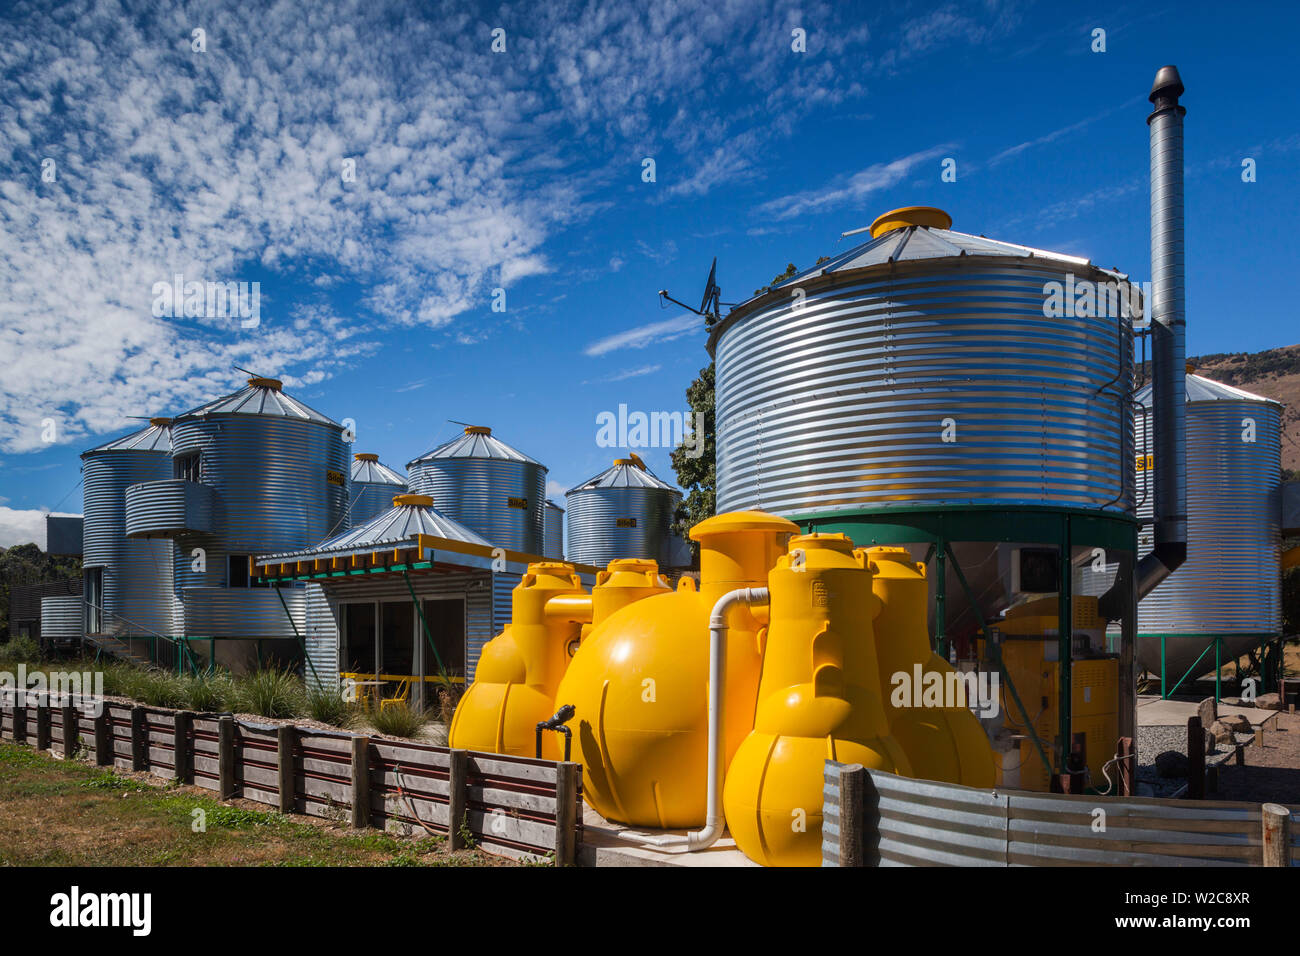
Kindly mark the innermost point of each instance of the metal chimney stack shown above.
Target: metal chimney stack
(1168, 322)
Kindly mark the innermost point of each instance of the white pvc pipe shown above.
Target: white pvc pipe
(713, 822)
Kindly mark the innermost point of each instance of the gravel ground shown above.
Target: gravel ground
(1153, 741)
(1272, 771)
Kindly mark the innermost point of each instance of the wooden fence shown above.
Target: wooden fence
(880, 819)
(529, 809)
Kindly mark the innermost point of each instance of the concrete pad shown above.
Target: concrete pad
(602, 847)
(1152, 711)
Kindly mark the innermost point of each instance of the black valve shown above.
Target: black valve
(557, 722)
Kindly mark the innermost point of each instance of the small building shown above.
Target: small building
(406, 601)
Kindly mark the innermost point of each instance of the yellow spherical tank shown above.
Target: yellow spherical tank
(639, 681)
(623, 582)
(519, 671)
(819, 699)
(945, 744)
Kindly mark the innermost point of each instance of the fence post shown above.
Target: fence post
(853, 791)
(42, 727)
(103, 737)
(20, 723)
(1195, 759)
(183, 746)
(285, 767)
(566, 813)
(457, 798)
(226, 758)
(1277, 834)
(70, 732)
(1127, 758)
(139, 740)
(360, 782)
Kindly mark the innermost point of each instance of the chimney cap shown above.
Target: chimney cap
(1167, 82)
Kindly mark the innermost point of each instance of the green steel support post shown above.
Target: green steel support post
(1218, 666)
(1002, 670)
(940, 592)
(1164, 695)
(442, 671)
(301, 642)
(1065, 641)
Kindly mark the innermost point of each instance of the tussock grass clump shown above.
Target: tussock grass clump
(209, 693)
(272, 692)
(329, 707)
(398, 720)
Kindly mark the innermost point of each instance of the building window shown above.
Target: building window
(188, 467)
(358, 652)
(446, 620)
(94, 598)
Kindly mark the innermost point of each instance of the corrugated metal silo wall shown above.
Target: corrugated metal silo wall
(1230, 582)
(62, 618)
(596, 536)
(477, 492)
(841, 405)
(272, 478)
(370, 499)
(137, 574)
(553, 532)
(323, 612)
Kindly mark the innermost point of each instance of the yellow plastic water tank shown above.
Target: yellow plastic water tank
(946, 744)
(639, 681)
(819, 699)
(519, 671)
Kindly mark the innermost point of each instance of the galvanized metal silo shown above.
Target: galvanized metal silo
(62, 621)
(553, 531)
(1230, 586)
(277, 471)
(834, 387)
(624, 512)
(128, 583)
(373, 486)
(969, 400)
(483, 483)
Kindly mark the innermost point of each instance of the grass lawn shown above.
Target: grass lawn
(68, 813)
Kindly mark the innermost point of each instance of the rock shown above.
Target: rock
(1222, 733)
(1236, 702)
(1237, 722)
(1268, 702)
(1171, 763)
(1208, 711)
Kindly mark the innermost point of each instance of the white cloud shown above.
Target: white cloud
(643, 335)
(21, 527)
(851, 192)
(624, 374)
(555, 491)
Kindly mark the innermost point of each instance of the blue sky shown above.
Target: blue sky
(522, 170)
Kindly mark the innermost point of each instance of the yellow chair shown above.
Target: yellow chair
(402, 696)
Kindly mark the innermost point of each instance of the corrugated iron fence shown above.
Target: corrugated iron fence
(513, 806)
(880, 819)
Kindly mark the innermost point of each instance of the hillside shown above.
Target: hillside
(1275, 374)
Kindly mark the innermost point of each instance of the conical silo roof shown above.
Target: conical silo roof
(1201, 389)
(368, 469)
(477, 441)
(262, 397)
(156, 437)
(625, 473)
(410, 517)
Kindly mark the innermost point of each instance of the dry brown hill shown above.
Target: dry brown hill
(1275, 374)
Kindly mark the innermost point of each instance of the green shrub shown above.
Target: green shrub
(270, 693)
(398, 720)
(159, 688)
(20, 650)
(329, 707)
